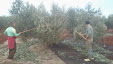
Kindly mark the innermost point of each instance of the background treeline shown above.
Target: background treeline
(59, 19)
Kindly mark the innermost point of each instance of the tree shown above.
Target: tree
(4, 21)
(109, 21)
(91, 12)
(96, 20)
(56, 21)
(17, 6)
(24, 16)
(71, 19)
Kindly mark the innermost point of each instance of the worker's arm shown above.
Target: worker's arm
(15, 34)
(6, 31)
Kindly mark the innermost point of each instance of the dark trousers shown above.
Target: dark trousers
(12, 52)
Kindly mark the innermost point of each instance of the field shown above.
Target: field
(54, 36)
(67, 51)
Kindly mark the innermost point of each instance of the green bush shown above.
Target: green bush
(51, 34)
(23, 53)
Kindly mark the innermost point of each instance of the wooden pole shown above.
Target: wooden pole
(34, 28)
(81, 36)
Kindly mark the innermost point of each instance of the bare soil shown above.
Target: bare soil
(3, 37)
(70, 55)
(46, 55)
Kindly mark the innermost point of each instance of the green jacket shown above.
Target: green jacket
(10, 31)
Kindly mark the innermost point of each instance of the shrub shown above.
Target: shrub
(51, 34)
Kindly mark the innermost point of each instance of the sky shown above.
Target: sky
(104, 5)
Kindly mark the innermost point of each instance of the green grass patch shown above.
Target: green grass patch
(23, 53)
(5, 49)
(81, 47)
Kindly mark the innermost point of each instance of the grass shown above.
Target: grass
(3, 50)
(80, 47)
(61, 53)
(23, 53)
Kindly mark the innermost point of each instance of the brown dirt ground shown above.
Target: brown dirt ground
(47, 55)
(70, 56)
(3, 37)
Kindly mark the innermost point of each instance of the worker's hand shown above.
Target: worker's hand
(81, 34)
(20, 32)
(85, 38)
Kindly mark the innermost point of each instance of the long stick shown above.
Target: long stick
(79, 35)
(33, 29)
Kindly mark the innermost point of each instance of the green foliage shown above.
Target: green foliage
(27, 16)
(56, 26)
(50, 35)
(71, 13)
(16, 7)
(23, 53)
(4, 21)
(97, 22)
(5, 49)
(109, 21)
(98, 56)
(25, 19)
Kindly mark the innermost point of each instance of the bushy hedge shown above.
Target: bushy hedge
(51, 34)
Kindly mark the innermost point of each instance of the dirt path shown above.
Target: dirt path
(3, 37)
(69, 55)
(45, 55)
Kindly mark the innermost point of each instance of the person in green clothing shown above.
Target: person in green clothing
(11, 33)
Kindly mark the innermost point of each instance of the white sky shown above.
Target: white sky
(104, 5)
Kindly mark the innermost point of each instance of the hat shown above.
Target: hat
(12, 23)
(87, 22)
